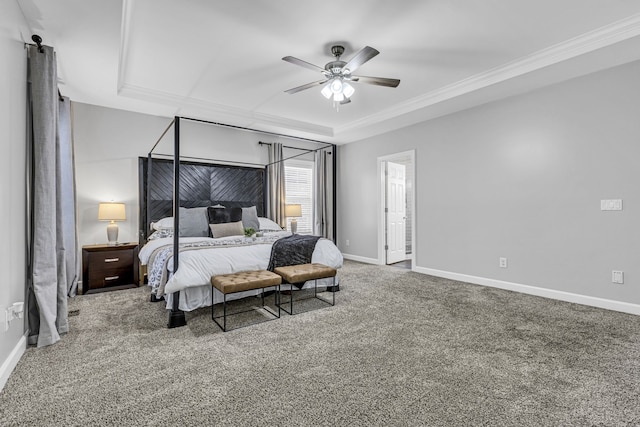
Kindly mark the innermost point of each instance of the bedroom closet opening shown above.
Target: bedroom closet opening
(396, 208)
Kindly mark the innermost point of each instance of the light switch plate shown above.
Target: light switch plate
(617, 276)
(611, 205)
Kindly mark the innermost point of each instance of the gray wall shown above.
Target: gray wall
(108, 143)
(13, 81)
(520, 178)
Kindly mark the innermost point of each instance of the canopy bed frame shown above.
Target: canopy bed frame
(195, 182)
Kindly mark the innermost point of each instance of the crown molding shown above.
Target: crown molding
(124, 42)
(585, 43)
(580, 45)
(232, 115)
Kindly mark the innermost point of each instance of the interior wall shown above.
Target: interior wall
(13, 81)
(108, 143)
(520, 178)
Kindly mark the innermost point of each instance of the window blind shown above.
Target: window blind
(299, 190)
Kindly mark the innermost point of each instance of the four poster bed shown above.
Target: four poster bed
(211, 202)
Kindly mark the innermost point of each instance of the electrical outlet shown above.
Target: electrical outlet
(347, 242)
(617, 276)
(503, 263)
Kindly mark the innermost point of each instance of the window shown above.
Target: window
(298, 176)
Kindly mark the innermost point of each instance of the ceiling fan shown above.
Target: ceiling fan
(337, 75)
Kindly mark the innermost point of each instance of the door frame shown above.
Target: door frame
(411, 154)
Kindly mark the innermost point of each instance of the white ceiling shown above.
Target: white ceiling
(221, 60)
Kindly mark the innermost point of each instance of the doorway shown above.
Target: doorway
(396, 202)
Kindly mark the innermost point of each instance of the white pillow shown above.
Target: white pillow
(267, 224)
(163, 224)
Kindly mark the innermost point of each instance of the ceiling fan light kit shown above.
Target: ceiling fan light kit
(337, 75)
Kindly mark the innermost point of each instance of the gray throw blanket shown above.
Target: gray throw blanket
(292, 250)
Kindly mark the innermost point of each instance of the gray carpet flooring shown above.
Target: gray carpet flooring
(398, 349)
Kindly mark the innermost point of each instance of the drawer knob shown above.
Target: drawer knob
(111, 259)
(112, 278)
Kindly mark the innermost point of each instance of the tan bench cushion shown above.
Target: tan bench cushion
(303, 272)
(245, 281)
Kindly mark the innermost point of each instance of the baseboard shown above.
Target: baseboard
(360, 259)
(623, 307)
(14, 357)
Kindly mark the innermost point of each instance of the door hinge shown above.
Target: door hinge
(386, 210)
(386, 247)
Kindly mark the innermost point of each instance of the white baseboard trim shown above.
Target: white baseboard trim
(361, 259)
(623, 307)
(14, 357)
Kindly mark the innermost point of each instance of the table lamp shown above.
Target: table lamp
(293, 211)
(111, 212)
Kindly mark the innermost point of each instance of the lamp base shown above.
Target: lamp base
(294, 226)
(112, 233)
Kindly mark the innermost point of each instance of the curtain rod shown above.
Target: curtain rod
(38, 42)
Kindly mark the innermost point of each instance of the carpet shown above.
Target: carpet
(398, 349)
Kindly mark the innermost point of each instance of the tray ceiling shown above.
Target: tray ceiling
(221, 61)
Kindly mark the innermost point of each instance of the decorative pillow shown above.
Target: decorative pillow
(223, 215)
(267, 224)
(227, 229)
(194, 222)
(250, 218)
(159, 234)
(163, 224)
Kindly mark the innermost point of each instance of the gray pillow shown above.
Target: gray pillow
(250, 218)
(194, 222)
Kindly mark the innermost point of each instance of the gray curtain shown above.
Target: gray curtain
(276, 185)
(322, 195)
(53, 262)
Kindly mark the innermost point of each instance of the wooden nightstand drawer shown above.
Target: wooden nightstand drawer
(107, 267)
(111, 259)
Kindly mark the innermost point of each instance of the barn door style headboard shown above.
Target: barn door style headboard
(201, 184)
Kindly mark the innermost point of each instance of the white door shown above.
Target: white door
(396, 213)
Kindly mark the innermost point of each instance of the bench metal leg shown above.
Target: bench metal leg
(223, 326)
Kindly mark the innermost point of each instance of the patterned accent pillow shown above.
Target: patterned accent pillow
(159, 234)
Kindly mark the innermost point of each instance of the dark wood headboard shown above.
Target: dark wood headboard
(201, 184)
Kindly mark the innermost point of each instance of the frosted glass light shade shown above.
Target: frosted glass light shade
(336, 86)
(326, 91)
(347, 90)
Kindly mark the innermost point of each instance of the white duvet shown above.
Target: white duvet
(196, 267)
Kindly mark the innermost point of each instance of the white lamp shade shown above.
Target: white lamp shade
(293, 210)
(111, 212)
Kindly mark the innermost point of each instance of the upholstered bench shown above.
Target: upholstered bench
(240, 282)
(299, 274)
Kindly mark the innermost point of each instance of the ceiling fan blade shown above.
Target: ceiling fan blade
(365, 54)
(303, 87)
(302, 63)
(345, 101)
(379, 81)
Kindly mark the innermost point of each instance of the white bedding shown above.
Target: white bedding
(197, 266)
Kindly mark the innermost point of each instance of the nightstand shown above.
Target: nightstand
(109, 267)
